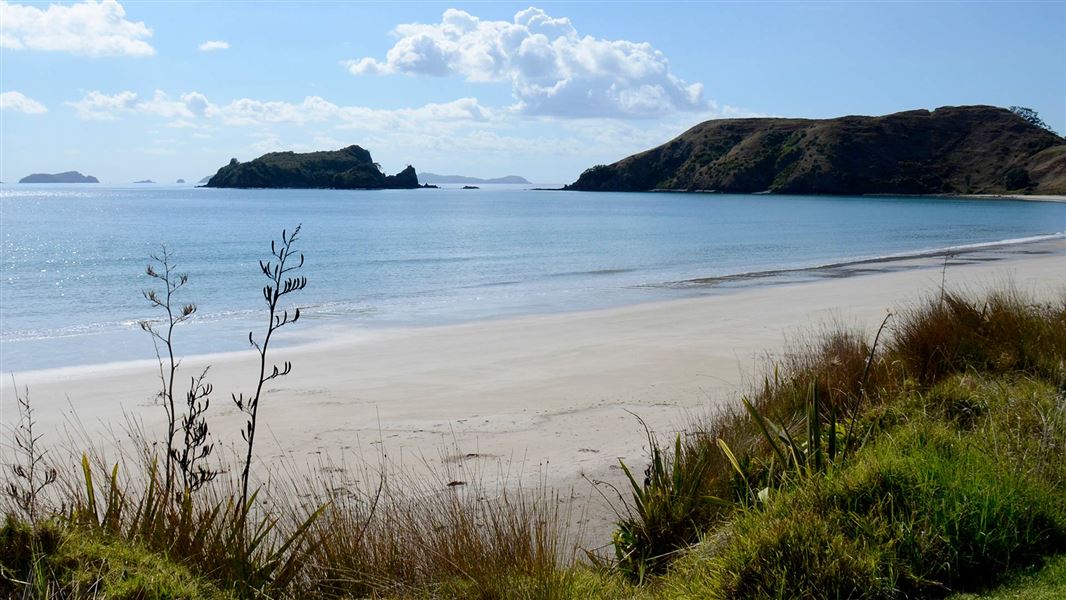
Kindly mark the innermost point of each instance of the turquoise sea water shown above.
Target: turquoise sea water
(73, 256)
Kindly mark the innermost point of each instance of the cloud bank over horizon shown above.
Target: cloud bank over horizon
(194, 110)
(553, 71)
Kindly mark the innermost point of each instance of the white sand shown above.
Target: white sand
(550, 392)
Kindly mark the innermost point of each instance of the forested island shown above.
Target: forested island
(347, 168)
(951, 150)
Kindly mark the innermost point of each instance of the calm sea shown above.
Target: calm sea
(73, 256)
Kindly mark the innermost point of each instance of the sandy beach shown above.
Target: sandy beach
(547, 397)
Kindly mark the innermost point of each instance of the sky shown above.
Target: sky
(166, 90)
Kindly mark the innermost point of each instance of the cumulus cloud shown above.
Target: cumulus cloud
(551, 68)
(99, 106)
(19, 102)
(102, 107)
(91, 28)
(213, 45)
(192, 108)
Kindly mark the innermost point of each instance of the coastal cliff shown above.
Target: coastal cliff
(347, 168)
(951, 150)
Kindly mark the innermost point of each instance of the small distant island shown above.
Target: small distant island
(180, 181)
(64, 177)
(953, 150)
(434, 178)
(347, 168)
(471, 187)
(144, 181)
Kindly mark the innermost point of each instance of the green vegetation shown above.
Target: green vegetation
(928, 461)
(952, 150)
(65, 561)
(1048, 583)
(347, 168)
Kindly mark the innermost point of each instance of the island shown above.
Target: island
(180, 181)
(64, 177)
(144, 181)
(347, 168)
(434, 178)
(953, 150)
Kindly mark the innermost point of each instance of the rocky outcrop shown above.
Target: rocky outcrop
(347, 168)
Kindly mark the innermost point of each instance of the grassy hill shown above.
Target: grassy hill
(951, 150)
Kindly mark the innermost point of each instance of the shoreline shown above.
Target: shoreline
(1004, 196)
(729, 283)
(541, 398)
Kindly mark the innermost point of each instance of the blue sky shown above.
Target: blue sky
(163, 90)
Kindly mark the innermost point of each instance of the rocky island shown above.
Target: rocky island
(64, 177)
(951, 150)
(347, 168)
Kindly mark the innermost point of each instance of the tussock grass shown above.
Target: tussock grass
(1004, 331)
(426, 538)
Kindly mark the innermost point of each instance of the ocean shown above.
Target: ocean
(73, 256)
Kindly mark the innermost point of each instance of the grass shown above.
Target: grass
(926, 462)
(1047, 583)
(60, 561)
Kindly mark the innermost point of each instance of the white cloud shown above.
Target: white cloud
(552, 70)
(91, 28)
(192, 109)
(314, 109)
(19, 102)
(102, 107)
(247, 111)
(98, 106)
(213, 45)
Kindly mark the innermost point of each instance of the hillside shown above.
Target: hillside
(64, 177)
(951, 150)
(347, 168)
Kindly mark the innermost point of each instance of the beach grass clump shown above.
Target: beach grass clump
(841, 369)
(800, 417)
(919, 513)
(667, 510)
(426, 538)
(1003, 331)
(242, 547)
